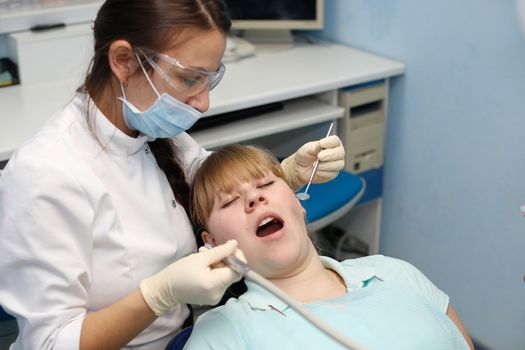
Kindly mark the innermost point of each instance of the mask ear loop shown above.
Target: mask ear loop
(147, 75)
(123, 93)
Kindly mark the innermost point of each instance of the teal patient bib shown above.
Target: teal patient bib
(405, 312)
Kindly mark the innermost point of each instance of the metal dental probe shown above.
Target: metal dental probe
(304, 195)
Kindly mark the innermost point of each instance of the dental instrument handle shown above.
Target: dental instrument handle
(233, 262)
(237, 265)
(244, 269)
(316, 164)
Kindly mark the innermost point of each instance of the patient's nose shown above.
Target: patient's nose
(254, 199)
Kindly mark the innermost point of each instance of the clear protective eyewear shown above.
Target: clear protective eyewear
(188, 81)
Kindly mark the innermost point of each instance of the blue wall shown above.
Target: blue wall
(455, 149)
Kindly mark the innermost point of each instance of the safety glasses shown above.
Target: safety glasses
(187, 81)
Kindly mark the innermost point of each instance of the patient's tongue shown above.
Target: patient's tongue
(268, 229)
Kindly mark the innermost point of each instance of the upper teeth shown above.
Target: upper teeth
(265, 221)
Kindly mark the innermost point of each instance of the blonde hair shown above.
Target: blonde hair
(223, 170)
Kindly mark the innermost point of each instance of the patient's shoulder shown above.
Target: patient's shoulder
(370, 261)
(388, 269)
(383, 265)
(233, 309)
(223, 326)
(215, 329)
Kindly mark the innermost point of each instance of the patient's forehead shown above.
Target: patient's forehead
(235, 180)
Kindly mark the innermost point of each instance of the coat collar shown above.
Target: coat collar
(110, 138)
(261, 300)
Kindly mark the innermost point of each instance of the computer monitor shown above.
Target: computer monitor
(272, 20)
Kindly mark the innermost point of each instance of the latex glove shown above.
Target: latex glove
(194, 279)
(331, 154)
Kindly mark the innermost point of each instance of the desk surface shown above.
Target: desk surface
(303, 70)
(16, 15)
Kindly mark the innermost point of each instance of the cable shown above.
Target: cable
(244, 269)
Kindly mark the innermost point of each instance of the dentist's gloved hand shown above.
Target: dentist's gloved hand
(298, 167)
(238, 254)
(191, 280)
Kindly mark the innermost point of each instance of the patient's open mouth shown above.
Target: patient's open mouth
(268, 226)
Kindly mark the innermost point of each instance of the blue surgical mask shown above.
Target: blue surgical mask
(167, 117)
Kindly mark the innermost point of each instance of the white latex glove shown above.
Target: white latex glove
(194, 279)
(238, 254)
(331, 154)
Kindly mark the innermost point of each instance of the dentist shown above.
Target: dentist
(97, 245)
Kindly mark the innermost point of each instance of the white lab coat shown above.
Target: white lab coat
(82, 222)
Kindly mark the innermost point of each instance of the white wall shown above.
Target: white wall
(455, 149)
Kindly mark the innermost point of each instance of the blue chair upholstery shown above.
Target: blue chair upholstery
(179, 340)
(4, 316)
(331, 200)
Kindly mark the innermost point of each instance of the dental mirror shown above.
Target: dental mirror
(303, 196)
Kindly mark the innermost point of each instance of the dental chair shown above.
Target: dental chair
(331, 200)
(4, 316)
(8, 329)
(180, 339)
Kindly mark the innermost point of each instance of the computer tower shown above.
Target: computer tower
(363, 127)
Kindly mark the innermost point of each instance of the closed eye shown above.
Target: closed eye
(266, 184)
(229, 202)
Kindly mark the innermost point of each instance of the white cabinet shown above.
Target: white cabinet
(54, 55)
(20, 15)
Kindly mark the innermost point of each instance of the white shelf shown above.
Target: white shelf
(21, 15)
(295, 114)
(305, 70)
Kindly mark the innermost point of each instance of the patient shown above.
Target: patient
(241, 193)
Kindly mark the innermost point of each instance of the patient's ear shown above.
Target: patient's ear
(208, 238)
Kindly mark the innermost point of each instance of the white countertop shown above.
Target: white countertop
(264, 78)
(17, 15)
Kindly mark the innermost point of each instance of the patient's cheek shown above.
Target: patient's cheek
(227, 236)
(225, 227)
(222, 235)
